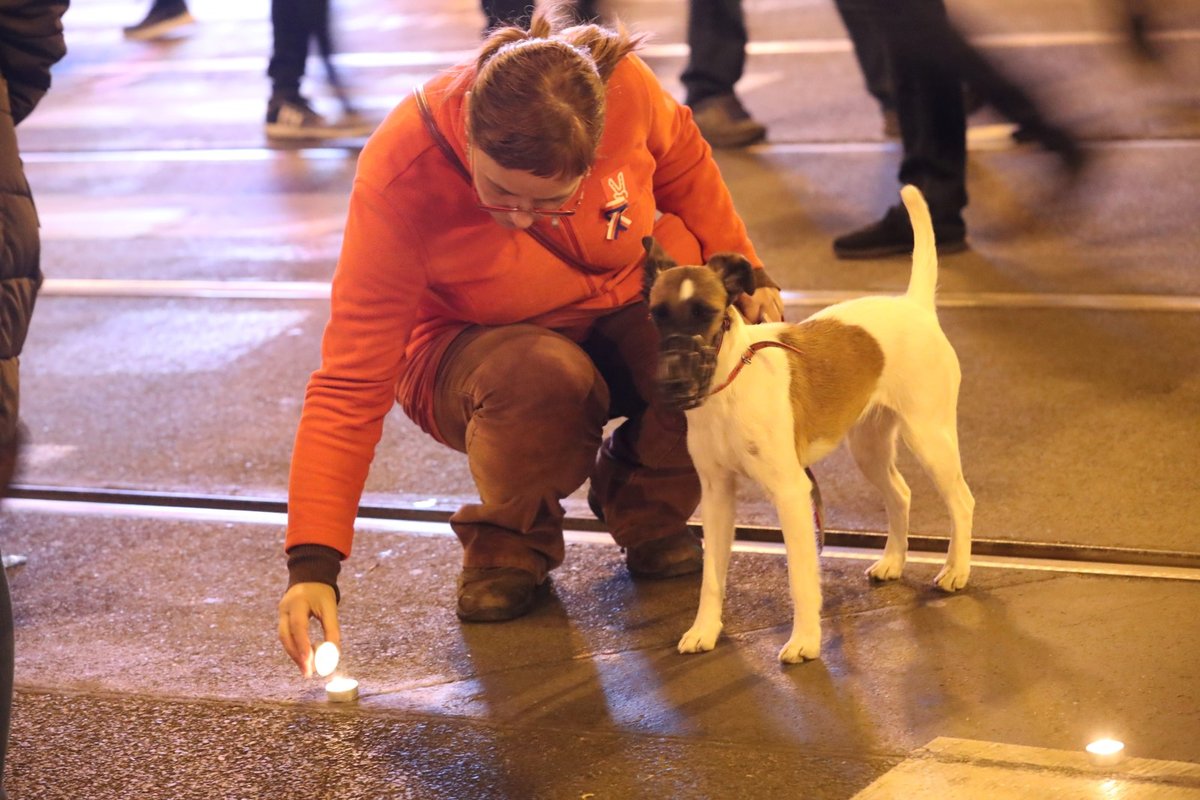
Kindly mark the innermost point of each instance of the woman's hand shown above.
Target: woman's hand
(765, 305)
(299, 603)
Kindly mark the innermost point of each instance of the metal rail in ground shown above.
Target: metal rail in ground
(837, 539)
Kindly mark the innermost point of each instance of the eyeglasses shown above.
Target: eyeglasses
(548, 213)
(537, 212)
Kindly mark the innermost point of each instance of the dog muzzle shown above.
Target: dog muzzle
(685, 370)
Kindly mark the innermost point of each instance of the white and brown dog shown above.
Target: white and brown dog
(765, 401)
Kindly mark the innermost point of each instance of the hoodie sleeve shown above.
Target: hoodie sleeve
(687, 181)
(379, 280)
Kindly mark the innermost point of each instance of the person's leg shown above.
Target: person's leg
(929, 105)
(587, 11)
(291, 28)
(991, 86)
(164, 17)
(643, 485)
(294, 23)
(933, 121)
(716, 36)
(527, 407)
(717, 57)
(869, 50)
(507, 12)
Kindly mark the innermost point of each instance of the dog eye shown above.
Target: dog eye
(659, 313)
(702, 313)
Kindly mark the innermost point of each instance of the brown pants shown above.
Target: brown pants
(528, 407)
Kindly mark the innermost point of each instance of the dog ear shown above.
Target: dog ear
(656, 259)
(735, 273)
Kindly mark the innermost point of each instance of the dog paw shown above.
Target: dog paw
(699, 639)
(800, 649)
(951, 579)
(887, 568)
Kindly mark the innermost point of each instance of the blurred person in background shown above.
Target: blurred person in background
(914, 48)
(717, 39)
(165, 18)
(31, 41)
(295, 25)
(500, 13)
(491, 283)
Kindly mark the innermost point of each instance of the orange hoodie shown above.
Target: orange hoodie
(420, 260)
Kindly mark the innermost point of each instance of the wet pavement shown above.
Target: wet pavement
(187, 267)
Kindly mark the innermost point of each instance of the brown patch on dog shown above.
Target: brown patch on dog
(839, 367)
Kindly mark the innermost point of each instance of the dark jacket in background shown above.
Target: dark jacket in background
(31, 40)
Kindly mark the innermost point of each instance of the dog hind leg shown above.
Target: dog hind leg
(873, 444)
(936, 447)
(717, 500)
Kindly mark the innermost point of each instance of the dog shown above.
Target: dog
(765, 401)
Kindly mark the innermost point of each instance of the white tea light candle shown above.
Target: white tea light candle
(341, 690)
(326, 659)
(1106, 752)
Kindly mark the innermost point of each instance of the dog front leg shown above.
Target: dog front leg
(793, 503)
(717, 499)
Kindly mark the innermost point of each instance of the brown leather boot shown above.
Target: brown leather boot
(668, 557)
(495, 594)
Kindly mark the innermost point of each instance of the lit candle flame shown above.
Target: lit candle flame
(342, 690)
(326, 659)
(1105, 747)
(341, 685)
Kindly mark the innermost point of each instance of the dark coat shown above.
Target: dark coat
(31, 40)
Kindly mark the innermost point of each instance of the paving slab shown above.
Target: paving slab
(166, 628)
(147, 664)
(106, 382)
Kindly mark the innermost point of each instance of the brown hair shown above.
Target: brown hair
(537, 102)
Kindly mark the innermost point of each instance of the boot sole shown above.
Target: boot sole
(677, 570)
(943, 249)
(159, 30)
(495, 614)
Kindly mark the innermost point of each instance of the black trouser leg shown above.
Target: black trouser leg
(717, 48)
(507, 12)
(293, 23)
(870, 50)
(929, 104)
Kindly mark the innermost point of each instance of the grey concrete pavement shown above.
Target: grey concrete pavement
(1049, 401)
(151, 641)
(147, 664)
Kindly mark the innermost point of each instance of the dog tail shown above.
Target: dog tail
(922, 286)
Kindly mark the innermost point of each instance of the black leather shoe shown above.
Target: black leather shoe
(725, 123)
(668, 557)
(893, 236)
(495, 594)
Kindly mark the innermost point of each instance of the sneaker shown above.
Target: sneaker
(668, 557)
(495, 594)
(162, 19)
(893, 236)
(295, 119)
(725, 123)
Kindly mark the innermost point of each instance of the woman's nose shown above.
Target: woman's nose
(522, 219)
